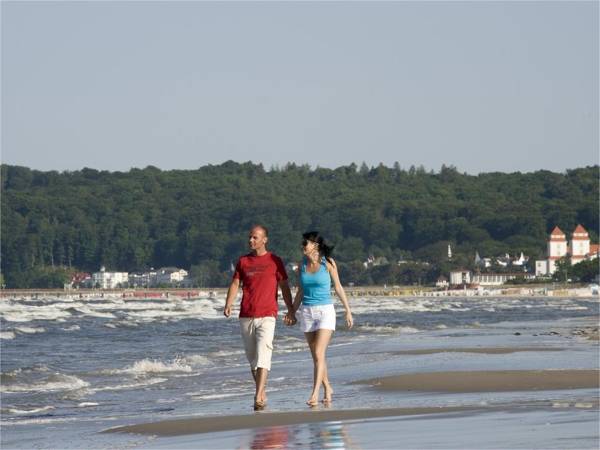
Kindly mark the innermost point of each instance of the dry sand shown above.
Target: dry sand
(489, 381)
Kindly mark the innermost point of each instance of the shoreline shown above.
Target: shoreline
(536, 291)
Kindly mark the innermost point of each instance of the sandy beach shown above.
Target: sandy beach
(490, 381)
(413, 374)
(266, 419)
(539, 398)
(480, 381)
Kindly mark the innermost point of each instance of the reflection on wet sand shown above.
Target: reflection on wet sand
(328, 435)
(320, 435)
(271, 437)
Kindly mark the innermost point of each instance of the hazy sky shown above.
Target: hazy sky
(485, 86)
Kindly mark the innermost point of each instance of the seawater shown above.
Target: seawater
(72, 368)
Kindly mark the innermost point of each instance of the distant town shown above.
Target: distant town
(570, 251)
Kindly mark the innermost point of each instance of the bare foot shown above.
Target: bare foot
(328, 393)
(260, 403)
(312, 401)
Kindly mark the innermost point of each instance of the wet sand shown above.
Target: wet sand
(265, 419)
(455, 382)
(489, 381)
(482, 350)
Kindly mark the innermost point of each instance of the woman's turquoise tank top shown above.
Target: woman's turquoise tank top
(316, 286)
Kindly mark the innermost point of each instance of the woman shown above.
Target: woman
(317, 316)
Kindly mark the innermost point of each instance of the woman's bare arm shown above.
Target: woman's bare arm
(339, 290)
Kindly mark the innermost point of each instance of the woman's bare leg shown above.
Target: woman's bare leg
(318, 350)
(327, 389)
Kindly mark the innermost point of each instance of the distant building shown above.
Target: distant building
(373, 261)
(80, 279)
(497, 279)
(142, 279)
(579, 245)
(109, 280)
(170, 275)
(522, 260)
(576, 250)
(441, 282)
(504, 261)
(460, 277)
(478, 260)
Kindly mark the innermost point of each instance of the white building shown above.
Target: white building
(170, 275)
(441, 282)
(109, 280)
(496, 279)
(143, 279)
(460, 277)
(579, 246)
(520, 261)
(576, 250)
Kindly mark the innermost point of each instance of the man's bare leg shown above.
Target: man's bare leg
(261, 384)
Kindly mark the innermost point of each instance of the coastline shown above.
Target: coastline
(529, 291)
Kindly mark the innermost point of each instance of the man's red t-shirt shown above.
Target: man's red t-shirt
(259, 276)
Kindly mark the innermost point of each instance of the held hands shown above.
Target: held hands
(290, 318)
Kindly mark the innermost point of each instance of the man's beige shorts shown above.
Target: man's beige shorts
(257, 333)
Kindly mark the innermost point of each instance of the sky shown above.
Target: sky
(484, 86)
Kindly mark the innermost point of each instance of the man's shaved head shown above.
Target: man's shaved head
(261, 227)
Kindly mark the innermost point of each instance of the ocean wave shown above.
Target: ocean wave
(18, 411)
(72, 328)
(55, 382)
(291, 349)
(38, 421)
(198, 396)
(387, 329)
(93, 313)
(120, 387)
(30, 330)
(7, 335)
(31, 313)
(12, 374)
(149, 366)
(196, 360)
(221, 353)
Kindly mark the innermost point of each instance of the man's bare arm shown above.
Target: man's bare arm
(231, 295)
(287, 294)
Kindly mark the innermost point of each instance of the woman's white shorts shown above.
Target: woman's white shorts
(318, 317)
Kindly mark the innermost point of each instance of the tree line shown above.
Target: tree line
(56, 222)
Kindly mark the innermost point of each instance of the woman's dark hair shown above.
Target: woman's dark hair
(324, 248)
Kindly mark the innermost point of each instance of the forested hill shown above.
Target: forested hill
(148, 217)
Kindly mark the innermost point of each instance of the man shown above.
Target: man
(260, 273)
